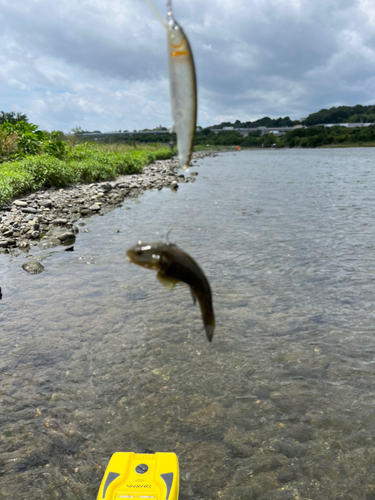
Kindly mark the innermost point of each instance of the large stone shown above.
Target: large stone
(29, 210)
(33, 267)
(66, 237)
(47, 204)
(3, 243)
(20, 203)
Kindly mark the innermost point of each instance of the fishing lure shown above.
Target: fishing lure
(183, 85)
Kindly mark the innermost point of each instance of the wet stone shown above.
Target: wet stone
(3, 243)
(24, 245)
(66, 237)
(53, 242)
(33, 267)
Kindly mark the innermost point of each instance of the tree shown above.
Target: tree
(12, 117)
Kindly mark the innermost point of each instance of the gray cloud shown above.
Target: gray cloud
(103, 64)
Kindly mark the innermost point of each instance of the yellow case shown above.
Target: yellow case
(135, 475)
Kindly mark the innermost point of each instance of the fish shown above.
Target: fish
(182, 85)
(173, 266)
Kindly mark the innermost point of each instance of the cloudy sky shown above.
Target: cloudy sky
(102, 64)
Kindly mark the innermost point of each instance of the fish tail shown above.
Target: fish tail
(208, 317)
(210, 330)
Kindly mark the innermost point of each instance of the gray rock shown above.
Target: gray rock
(85, 211)
(193, 173)
(60, 222)
(174, 185)
(34, 235)
(47, 204)
(3, 243)
(95, 207)
(122, 185)
(29, 210)
(74, 229)
(24, 245)
(33, 267)
(105, 187)
(8, 234)
(66, 237)
(20, 203)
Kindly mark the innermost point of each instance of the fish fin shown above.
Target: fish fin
(166, 281)
(157, 15)
(193, 295)
(209, 331)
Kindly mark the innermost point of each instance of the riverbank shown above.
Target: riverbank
(47, 217)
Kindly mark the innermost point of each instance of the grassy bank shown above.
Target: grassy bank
(82, 163)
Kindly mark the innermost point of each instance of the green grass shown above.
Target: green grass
(83, 163)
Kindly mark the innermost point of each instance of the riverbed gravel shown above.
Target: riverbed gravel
(47, 217)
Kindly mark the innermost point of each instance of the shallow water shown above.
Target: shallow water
(97, 357)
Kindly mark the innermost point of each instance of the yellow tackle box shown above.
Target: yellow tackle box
(140, 476)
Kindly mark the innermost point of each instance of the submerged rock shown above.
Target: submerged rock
(33, 267)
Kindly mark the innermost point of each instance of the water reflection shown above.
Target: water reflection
(97, 357)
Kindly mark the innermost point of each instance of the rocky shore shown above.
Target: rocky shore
(47, 218)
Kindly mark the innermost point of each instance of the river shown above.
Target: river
(97, 357)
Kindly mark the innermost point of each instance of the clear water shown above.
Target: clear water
(97, 357)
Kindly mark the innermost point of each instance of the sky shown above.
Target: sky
(102, 64)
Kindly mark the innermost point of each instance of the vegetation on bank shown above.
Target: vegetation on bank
(311, 137)
(31, 159)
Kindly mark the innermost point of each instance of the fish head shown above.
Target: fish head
(145, 254)
(176, 37)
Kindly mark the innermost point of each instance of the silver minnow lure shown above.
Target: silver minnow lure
(183, 86)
